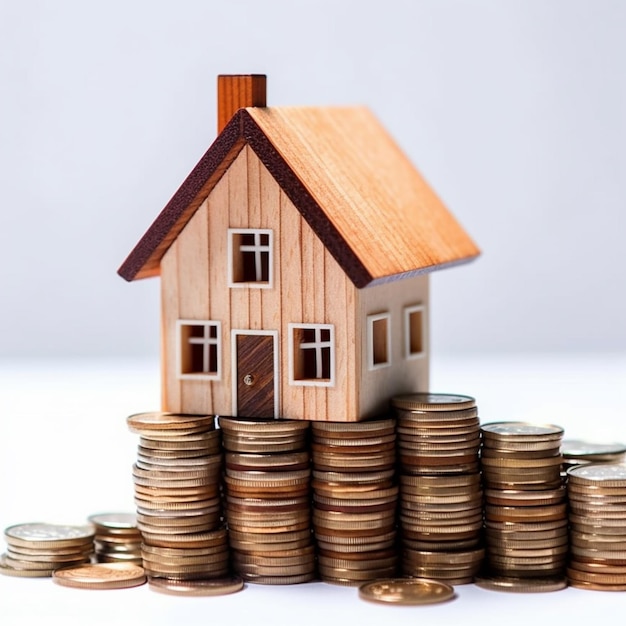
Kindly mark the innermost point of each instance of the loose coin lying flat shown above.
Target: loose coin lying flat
(214, 587)
(406, 591)
(101, 576)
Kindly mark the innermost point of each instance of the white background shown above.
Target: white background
(514, 111)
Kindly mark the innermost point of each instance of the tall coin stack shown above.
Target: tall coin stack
(440, 492)
(525, 508)
(597, 501)
(355, 500)
(268, 509)
(177, 493)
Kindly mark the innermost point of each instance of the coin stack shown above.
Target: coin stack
(117, 539)
(177, 493)
(525, 508)
(268, 509)
(355, 500)
(37, 550)
(576, 452)
(440, 491)
(597, 501)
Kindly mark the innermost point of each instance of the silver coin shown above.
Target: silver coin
(599, 472)
(114, 520)
(521, 428)
(577, 447)
(48, 532)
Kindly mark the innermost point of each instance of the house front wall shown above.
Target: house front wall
(307, 287)
(403, 364)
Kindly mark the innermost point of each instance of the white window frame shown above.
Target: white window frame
(258, 249)
(317, 345)
(415, 308)
(371, 320)
(206, 341)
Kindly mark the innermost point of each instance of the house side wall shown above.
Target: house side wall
(402, 375)
(309, 287)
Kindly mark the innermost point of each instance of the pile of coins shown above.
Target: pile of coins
(117, 539)
(177, 492)
(440, 493)
(525, 508)
(576, 452)
(37, 550)
(597, 499)
(355, 500)
(268, 510)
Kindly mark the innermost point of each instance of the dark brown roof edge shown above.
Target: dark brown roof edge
(142, 261)
(310, 210)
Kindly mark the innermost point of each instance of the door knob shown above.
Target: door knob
(248, 379)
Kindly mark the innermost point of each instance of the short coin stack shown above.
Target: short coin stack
(117, 539)
(355, 500)
(440, 493)
(37, 550)
(577, 452)
(525, 508)
(597, 500)
(177, 492)
(268, 509)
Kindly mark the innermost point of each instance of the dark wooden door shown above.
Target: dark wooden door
(255, 376)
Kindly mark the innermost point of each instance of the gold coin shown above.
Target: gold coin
(208, 587)
(353, 427)
(357, 541)
(194, 540)
(261, 426)
(101, 576)
(433, 402)
(352, 442)
(357, 565)
(167, 421)
(354, 477)
(7, 570)
(600, 578)
(521, 585)
(406, 591)
(357, 575)
(247, 461)
(260, 579)
(199, 442)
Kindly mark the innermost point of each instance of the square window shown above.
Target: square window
(199, 349)
(250, 257)
(378, 340)
(414, 331)
(312, 354)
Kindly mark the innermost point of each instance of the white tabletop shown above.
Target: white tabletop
(67, 453)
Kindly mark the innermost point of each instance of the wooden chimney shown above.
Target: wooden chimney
(236, 91)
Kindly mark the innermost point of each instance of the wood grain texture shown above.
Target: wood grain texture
(368, 189)
(237, 91)
(255, 358)
(352, 184)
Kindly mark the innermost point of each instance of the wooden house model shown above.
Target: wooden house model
(294, 264)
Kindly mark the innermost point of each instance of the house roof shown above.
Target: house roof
(354, 186)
